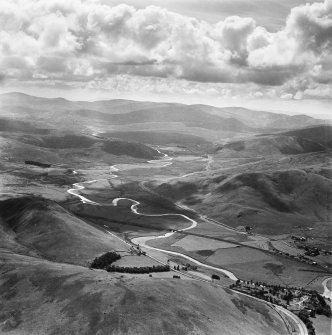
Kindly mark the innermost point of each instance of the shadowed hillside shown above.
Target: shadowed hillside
(55, 146)
(158, 138)
(138, 150)
(271, 202)
(13, 125)
(42, 294)
(50, 231)
(321, 134)
(307, 140)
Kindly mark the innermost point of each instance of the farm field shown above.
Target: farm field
(322, 325)
(213, 206)
(241, 255)
(194, 243)
(205, 228)
(279, 271)
(135, 261)
(284, 246)
(250, 263)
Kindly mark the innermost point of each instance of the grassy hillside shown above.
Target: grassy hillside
(158, 138)
(172, 113)
(50, 231)
(66, 141)
(272, 202)
(307, 140)
(269, 145)
(42, 297)
(58, 147)
(13, 125)
(321, 134)
(262, 119)
(138, 150)
(45, 290)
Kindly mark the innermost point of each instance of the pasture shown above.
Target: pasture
(193, 243)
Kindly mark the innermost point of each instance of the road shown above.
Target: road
(302, 329)
(299, 323)
(327, 292)
(142, 242)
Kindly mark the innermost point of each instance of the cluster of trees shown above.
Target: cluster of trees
(261, 295)
(186, 268)
(304, 316)
(105, 260)
(318, 305)
(143, 269)
(271, 293)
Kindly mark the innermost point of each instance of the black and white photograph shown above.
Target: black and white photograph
(165, 167)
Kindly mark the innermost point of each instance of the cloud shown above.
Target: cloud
(91, 40)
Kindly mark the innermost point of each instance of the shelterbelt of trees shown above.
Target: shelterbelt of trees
(143, 269)
(104, 262)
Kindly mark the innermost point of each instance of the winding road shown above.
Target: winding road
(327, 292)
(163, 162)
(302, 329)
(142, 241)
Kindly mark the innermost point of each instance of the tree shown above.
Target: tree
(105, 260)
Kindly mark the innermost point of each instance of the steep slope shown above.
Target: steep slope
(300, 141)
(270, 145)
(321, 134)
(61, 145)
(41, 297)
(44, 227)
(272, 202)
(137, 150)
(45, 290)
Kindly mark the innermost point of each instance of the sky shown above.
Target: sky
(262, 54)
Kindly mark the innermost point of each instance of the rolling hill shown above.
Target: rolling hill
(299, 141)
(13, 125)
(56, 148)
(42, 297)
(321, 134)
(44, 289)
(45, 228)
(272, 202)
(121, 112)
(191, 118)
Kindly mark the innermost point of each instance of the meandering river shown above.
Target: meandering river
(142, 241)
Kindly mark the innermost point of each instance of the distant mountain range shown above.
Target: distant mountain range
(124, 112)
